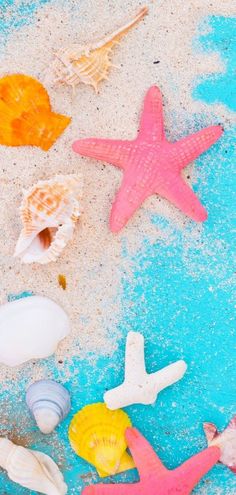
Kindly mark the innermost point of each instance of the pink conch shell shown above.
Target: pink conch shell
(49, 212)
(90, 64)
(226, 441)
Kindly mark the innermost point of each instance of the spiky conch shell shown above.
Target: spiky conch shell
(26, 117)
(90, 64)
(98, 436)
(49, 211)
(31, 469)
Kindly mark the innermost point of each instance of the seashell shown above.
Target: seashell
(49, 211)
(31, 469)
(90, 64)
(26, 117)
(49, 403)
(226, 441)
(98, 436)
(30, 328)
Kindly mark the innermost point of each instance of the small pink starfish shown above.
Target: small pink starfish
(151, 164)
(155, 478)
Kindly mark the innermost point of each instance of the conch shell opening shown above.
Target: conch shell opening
(49, 212)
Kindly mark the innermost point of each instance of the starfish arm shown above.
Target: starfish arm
(168, 375)
(108, 150)
(190, 472)
(183, 197)
(151, 124)
(132, 193)
(189, 148)
(113, 489)
(145, 458)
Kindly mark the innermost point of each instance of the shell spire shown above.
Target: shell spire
(90, 64)
(49, 212)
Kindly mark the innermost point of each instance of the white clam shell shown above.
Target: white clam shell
(31, 328)
(31, 469)
(49, 403)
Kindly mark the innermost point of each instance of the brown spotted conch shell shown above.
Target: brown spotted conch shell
(90, 64)
(49, 211)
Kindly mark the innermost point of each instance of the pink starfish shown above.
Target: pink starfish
(151, 164)
(155, 478)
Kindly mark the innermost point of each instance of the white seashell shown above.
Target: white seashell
(31, 328)
(49, 212)
(31, 469)
(90, 64)
(49, 403)
(140, 387)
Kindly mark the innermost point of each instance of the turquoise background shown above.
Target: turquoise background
(180, 298)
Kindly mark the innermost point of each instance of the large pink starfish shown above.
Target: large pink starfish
(151, 164)
(155, 479)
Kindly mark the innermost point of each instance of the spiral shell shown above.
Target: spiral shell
(31, 469)
(49, 212)
(90, 64)
(49, 403)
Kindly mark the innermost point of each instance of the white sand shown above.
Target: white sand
(92, 263)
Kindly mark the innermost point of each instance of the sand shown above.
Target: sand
(93, 263)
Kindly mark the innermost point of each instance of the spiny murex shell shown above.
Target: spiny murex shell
(30, 328)
(49, 211)
(49, 403)
(98, 435)
(31, 469)
(90, 64)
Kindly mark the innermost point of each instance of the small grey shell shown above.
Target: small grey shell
(49, 403)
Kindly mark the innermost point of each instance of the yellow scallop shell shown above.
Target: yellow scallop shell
(97, 434)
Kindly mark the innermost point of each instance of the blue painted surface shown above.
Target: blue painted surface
(181, 299)
(15, 297)
(220, 88)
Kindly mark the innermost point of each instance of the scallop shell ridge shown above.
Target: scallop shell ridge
(98, 436)
(26, 117)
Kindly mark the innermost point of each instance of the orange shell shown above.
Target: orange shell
(25, 113)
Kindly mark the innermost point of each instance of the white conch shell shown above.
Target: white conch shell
(49, 211)
(31, 469)
(30, 328)
(140, 387)
(90, 64)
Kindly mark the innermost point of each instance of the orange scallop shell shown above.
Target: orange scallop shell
(26, 117)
